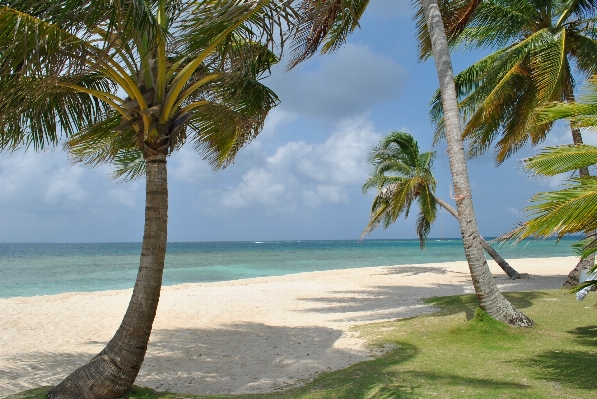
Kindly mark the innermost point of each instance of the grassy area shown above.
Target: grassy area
(458, 353)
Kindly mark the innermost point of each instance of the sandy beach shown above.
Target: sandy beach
(253, 335)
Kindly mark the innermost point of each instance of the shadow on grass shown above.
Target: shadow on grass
(467, 304)
(571, 369)
(585, 335)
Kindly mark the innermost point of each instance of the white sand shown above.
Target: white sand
(253, 335)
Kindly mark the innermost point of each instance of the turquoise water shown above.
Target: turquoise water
(42, 269)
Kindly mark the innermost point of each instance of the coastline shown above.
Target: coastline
(251, 335)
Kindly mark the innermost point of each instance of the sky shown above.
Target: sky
(301, 178)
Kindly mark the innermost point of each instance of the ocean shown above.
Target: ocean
(46, 269)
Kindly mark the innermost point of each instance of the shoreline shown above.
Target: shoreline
(239, 336)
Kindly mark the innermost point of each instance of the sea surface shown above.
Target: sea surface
(45, 269)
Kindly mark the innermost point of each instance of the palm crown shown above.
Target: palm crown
(132, 79)
(401, 175)
(538, 42)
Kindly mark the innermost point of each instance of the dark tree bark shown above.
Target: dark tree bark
(112, 372)
(509, 270)
(490, 298)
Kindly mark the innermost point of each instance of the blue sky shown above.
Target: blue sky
(300, 179)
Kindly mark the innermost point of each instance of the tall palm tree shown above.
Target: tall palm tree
(537, 45)
(490, 298)
(327, 23)
(402, 175)
(538, 42)
(130, 81)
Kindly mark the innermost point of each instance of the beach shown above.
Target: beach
(241, 336)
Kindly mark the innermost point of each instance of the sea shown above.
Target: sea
(47, 269)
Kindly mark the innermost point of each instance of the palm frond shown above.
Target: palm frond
(456, 15)
(581, 114)
(129, 165)
(427, 212)
(583, 50)
(423, 227)
(555, 160)
(325, 23)
(35, 112)
(101, 142)
(265, 22)
(557, 213)
(34, 47)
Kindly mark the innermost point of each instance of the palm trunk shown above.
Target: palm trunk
(586, 263)
(509, 270)
(491, 299)
(112, 372)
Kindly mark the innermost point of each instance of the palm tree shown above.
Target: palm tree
(536, 42)
(567, 211)
(328, 23)
(130, 81)
(490, 298)
(562, 159)
(402, 175)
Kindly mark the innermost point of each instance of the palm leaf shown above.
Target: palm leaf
(324, 23)
(34, 112)
(130, 165)
(555, 160)
(568, 211)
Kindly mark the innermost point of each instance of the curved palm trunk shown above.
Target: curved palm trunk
(112, 372)
(583, 264)
(491, 299)
(509, 270)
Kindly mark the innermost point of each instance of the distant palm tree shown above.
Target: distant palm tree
(129, 82)
(402, 175)
(328, 23)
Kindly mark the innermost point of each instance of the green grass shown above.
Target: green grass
(460, 352)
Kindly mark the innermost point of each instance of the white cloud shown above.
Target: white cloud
(258, 187)
(186, 165)
(324, 193)
(44, 197)
(299, 173)
(275, 119)
(47, 177)
(64, 184)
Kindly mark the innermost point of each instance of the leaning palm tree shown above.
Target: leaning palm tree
(130, 82)
(538, 45)
(327, 23)
(402, 175)
(490, 298)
